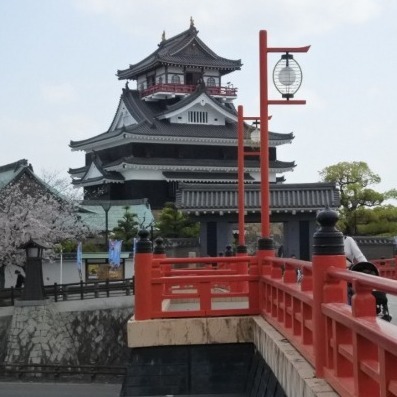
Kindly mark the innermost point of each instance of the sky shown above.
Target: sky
(59, 58)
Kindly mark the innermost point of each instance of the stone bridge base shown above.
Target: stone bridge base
(295, 375)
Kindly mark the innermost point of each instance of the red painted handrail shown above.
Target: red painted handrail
(349, 346)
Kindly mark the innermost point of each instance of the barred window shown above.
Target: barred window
(211, 82)
(197, 117)
(175, 79)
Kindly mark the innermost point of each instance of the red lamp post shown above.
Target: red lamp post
(287, 77)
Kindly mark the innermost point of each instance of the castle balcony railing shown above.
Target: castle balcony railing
(348, 345)
(161, 91)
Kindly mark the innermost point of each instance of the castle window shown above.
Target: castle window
(197, 117)
(175, 79)
(211, 82)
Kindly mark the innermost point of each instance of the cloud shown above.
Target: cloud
(58, 93)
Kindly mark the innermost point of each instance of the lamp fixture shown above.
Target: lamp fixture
(287, 76)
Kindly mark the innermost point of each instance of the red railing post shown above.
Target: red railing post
(265, 249)
(242, 268)
(328, 250)
(159, 253)
(159, 289)
(143, 276)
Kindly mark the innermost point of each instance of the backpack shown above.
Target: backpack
(382, 309)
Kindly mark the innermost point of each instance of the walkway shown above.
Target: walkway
(33, 389)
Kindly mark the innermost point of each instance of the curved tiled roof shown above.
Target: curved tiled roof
(186, 49)
(193, 163)
(283, 197)
(148, 127)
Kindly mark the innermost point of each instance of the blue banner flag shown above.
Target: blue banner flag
(115, 252)
(111, 251)
(79, 255)
(79, 261)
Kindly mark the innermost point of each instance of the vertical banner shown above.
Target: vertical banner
(111, 251)
(79, 261)
(115, 252)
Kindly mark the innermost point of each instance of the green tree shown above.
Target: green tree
(127, 227)
(356, 197)
(174, 223)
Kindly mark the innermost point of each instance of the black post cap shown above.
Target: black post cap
(265, 243)
(159, 247)
(144, 245)
(241, 249)
(228, 251)
(328, 240)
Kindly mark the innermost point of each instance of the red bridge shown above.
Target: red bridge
(348, 346)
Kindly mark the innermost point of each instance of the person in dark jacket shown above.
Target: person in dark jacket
(20, 279)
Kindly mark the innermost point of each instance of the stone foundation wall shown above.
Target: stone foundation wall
(75, 333)
(5, 322)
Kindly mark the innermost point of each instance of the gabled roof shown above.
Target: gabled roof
(184, 49)
(307, 197)
(11, 172)
(95, 173)
(150, 129)
(200, 95)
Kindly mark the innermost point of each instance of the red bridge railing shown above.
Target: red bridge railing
(349, 346)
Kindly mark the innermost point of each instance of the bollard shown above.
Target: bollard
(143, 273)
(328, 250)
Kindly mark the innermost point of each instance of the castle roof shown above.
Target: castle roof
(149, 128)
(184, 49)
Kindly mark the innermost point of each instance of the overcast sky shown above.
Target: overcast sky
(58, 60)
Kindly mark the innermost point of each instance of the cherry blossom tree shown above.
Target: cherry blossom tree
(31, 210)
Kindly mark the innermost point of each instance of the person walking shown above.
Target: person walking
(352, 252)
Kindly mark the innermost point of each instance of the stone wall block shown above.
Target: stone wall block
(49, 334)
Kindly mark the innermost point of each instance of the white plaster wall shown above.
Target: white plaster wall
(151, 175)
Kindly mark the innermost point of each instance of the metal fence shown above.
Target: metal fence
(74, 291)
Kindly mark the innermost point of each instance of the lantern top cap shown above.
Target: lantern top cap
(35, 243)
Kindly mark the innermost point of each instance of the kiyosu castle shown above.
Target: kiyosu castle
(174, 138)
